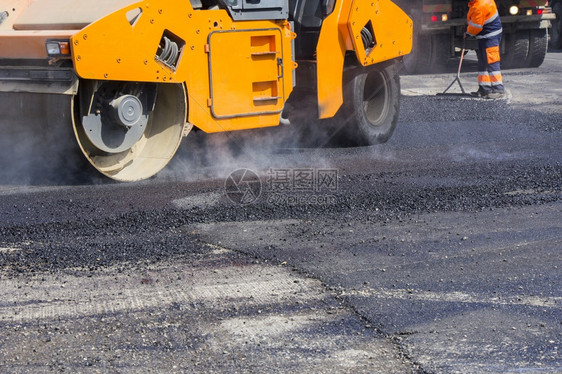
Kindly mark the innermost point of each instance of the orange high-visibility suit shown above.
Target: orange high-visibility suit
(484, 24)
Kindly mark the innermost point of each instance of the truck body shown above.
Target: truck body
(439, 26)
(137, 76)
(556, 29)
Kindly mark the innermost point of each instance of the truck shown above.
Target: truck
(556, 29)
(130, 79)
(439, 27)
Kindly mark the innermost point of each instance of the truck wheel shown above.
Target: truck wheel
(440, 52)
(538, 44)
(430, 54)
(556, 30)
(418, 61)
(517, 49)
(371, 104)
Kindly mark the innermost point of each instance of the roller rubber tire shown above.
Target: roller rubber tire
(371, 104)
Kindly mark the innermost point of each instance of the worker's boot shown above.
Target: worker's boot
(495, 95)
(480, 93)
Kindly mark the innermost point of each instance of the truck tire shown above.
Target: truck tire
(517, 50)
(371, 104)
(419, 60)
(430, 54)
(556, 30)
(538, 44)
(441, 52)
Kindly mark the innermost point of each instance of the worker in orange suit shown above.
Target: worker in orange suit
(484, 24)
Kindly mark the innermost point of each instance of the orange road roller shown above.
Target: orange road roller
(132, 78)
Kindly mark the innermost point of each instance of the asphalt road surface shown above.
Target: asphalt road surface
(437, 252)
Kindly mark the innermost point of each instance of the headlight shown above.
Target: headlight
(53, 49)
(58, 48)
(513, 10)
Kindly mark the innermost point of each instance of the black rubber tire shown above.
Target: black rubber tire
(556, 30)
(538, 44)
(440, 52)
(371, 104)
(430, 54)
(517, 50)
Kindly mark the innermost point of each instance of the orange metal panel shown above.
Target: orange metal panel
(341, 31)
(330, 56)
(200, 97)
(392, 28)
(246, 77)
(123, 47)
(114, 49)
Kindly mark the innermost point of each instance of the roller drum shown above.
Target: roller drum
(140, 133)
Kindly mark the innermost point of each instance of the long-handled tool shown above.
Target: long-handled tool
(457, 79)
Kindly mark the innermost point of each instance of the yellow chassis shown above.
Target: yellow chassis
(238, 74)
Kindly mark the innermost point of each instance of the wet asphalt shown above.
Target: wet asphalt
(445, 245)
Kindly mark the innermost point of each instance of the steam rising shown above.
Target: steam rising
(38, 147)
(212, 156)
(37, 144)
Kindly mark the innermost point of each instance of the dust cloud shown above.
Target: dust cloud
(296, 145)
(37, 144)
